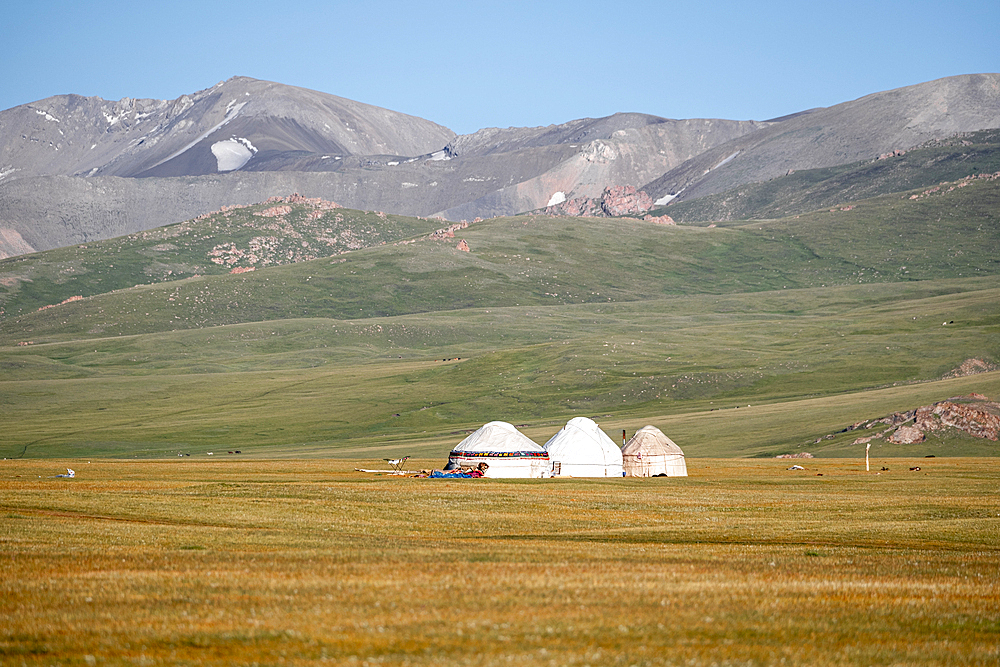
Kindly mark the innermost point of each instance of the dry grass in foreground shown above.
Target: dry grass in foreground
(303, 562)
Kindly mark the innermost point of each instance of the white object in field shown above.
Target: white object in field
(397, 465)
(507, 452)
(867, 447)
(650, 452)
(582, 449)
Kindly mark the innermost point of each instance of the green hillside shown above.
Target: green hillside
(538, 261)
(952, 159)
(338, 386)
(403, 348)
(282, 231)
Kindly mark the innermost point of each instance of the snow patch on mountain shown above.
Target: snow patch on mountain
(231, 113)
(557, 198)
(232, 154)
(726, 161)
(47, 115)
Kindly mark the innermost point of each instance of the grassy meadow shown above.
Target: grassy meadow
(268, 562)
(370, 384)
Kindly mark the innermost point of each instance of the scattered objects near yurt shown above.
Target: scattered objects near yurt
(650, 453)
(582, 449)
(507, 452)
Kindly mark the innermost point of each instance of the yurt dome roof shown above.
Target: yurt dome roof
(499, 438)
(581, 438)
(651, 441)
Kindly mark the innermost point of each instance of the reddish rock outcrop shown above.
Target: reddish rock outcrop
(625, 200)
(463, 246)
(447, 232)
(907, 435)
(978, 422)
(275, 211)
(614, 202)
(974, 414)
(63, 302)
(660, 220)
(581, 207)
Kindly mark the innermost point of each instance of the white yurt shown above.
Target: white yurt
(507, 451)
(650, 453)
(582, 449)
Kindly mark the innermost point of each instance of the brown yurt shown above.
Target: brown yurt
(651, 453)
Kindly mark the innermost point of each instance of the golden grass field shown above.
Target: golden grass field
(242, 562)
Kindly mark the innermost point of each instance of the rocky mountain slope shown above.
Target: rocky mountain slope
(491, 172)
(858, 130)
(591, 156)
(75, 169)
(961, 156)
(219, 129)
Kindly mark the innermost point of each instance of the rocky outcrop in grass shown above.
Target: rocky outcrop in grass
(614, 202)
(974, 414)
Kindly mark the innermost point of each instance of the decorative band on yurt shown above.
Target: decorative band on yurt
(500, 455)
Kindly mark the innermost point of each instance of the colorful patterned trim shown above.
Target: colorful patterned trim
(500, 455)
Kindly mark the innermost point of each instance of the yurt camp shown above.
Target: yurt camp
(506, 451)
(582, 449)
(650, 453)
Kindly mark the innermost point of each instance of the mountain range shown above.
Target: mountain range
(77, 169)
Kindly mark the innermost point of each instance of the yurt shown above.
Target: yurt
(507, 451)
(582, 449)
(650, 453)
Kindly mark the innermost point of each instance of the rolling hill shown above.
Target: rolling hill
(404, 346)
(282, 230)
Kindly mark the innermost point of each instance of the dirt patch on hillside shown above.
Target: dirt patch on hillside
(971, 367)
(12, 244)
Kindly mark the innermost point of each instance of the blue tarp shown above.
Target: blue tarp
(439, 474)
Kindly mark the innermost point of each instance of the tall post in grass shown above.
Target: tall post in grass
(623, 437)
(867, 447)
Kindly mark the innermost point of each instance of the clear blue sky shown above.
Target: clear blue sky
(469, 64)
